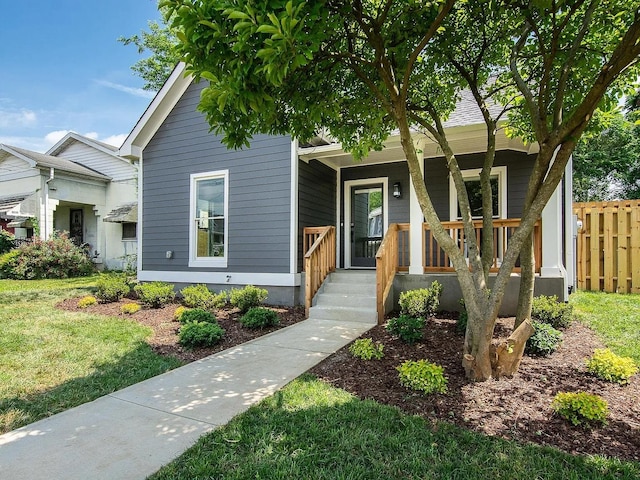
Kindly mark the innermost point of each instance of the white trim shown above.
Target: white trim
(474, 173)
(416, 219)
(339, 224)
(140, 216)
(347, 210)
(53, 151)
(293, 239)
(232, 278)
(216, 262)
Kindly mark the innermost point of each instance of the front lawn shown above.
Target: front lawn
(52, 360)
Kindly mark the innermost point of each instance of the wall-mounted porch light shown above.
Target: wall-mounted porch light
(397, 190)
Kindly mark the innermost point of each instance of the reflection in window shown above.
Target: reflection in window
(210, 217)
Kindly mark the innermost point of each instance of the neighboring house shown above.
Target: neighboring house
(234, 217)
(80, 186)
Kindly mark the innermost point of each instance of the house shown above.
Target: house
(228, 218)
(80, 186)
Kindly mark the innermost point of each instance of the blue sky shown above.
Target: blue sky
(64, 70)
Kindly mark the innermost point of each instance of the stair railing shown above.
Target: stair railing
(319, 260)
(386, 268)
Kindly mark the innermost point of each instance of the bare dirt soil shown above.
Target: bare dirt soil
(518, 408)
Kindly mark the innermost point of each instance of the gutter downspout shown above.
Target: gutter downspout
(45, 229)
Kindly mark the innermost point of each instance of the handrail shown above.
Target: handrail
(319, 260)
(386, 268)
(436, 260)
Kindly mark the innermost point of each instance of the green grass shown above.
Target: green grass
(52, 360)
(614, 317)
(312, 430)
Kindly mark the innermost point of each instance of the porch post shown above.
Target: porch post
(416, 218)
(552, 223)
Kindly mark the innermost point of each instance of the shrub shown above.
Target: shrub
(57, 257)
(406, 328)
(177, 314)
(111, 288)
(155, 294)
(422, 302)
(544, 341)
(247, 297)
(221, 299)
(87, 301)
(7, 241)
(365, 349)
(260, 317)
(423, 375)
(549, 310)
(200, 334)
(608, 366)
(581, 407)
(130, 308)
(197, 315)
(197, 296)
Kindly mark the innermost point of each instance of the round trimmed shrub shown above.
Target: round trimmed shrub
(197, 296)
(260, 317)
(423, 375)
(87, 301)
(130, 308)
(421, 302)
(544, 341)
(200, 334)
(547, 309)
(608, 366)
(581, 407)
(365, 349)
(406, 328)
(197, 315)
(247, 297)
(155, 294)
(111, 288)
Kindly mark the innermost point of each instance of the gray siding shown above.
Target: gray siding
(259, 193)
(518, 165)
(316, 199)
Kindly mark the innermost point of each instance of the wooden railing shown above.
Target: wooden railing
(387, 261)
(436, 260)
(319, 259)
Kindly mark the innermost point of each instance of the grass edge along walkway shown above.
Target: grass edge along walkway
(310, 429)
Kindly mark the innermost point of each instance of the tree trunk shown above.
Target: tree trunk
(527, 281)
(476, 359)
(508, 354)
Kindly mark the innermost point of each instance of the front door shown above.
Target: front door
(366, 223)
(76, 226)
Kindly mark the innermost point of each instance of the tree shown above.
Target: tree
(365, 68)
(156, 68)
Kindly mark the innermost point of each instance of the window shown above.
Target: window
(129, 231)
(208, 218)
(472, 182)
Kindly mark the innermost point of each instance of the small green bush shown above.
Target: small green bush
(581, 407)
(423, 375)
(155, 294)
(200, 334)
(198, 296)
(422, 302)
(57, 257)
(177, 314)
(549, 310)
(111, 288)
(247, 297)
(544, 341)
(197, 315)
(7, 241)
(260, 317)
(87, 301)
(406, 328)
(130, 308)
(608, 366)
(365, 349)
(221, 299)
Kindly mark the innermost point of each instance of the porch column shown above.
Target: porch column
(552, 222)
(417, 219)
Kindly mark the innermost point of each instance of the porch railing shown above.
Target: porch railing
(435, 259)
(392, 253)
(319, 260)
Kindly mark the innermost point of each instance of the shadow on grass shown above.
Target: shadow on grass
(312, 430)
(135, 366)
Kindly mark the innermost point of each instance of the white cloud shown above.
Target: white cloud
(92, 135)
(116, 140)
(138, 92)
(11, 118)
(53, 137)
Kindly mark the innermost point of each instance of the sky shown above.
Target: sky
(64, 70)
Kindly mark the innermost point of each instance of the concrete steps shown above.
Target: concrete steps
(347, 295)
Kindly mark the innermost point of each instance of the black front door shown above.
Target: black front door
(367, 224)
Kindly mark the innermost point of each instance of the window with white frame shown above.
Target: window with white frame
(498, 180)
(208, 231)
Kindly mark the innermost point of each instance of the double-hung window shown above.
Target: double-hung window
(208, 232)
(498, 181)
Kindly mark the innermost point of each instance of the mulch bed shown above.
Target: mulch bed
(518, 408)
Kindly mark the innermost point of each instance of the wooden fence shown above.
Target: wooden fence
(608, 255)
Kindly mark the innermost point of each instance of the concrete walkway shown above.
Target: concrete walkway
(131, 433)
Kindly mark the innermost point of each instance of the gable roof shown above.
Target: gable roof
(73, 137)
(35, 159)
